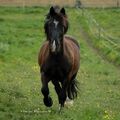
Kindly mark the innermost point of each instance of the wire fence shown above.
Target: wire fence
(97, 31)
(107, 45)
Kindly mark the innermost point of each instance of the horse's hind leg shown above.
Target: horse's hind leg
(45, 91)
(72, 87)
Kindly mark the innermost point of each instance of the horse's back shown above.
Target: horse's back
(71, 45)
(72, 51)
(68, 37)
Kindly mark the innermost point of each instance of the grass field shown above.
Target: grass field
(21, 35)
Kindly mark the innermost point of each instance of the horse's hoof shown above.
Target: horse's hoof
(68, 102)
(48, 101)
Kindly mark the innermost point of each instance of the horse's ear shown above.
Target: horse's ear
(52, 11)
(62, 11)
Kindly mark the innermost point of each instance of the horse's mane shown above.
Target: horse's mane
(72, 39)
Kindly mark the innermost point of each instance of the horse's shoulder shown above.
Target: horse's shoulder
(70, 38)
(43, 52)
(71, 48)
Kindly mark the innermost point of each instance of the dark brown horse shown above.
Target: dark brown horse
(59, 58)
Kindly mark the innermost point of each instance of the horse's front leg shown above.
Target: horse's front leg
(63, 93)
(58, 89)
(45, 91)
(60, 92)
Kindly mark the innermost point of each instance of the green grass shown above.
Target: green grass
(21, 35)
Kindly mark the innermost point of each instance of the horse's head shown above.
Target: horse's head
(56, 25)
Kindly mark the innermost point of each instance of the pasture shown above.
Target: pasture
(21, 35)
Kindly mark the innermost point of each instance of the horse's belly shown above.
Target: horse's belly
(57, 74)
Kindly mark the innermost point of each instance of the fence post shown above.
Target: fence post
(78, 3)
(117, 3)
(23, 5)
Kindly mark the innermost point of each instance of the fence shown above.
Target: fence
(71, 3)
(99, 32)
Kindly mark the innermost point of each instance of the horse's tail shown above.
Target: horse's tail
(72, 88)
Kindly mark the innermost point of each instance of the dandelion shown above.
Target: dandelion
(107, 115)
(35, 68)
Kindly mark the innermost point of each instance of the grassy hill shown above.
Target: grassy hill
(21, 35)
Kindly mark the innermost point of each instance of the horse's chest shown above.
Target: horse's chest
(57, 69)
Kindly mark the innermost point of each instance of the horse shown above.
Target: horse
(59, 58)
